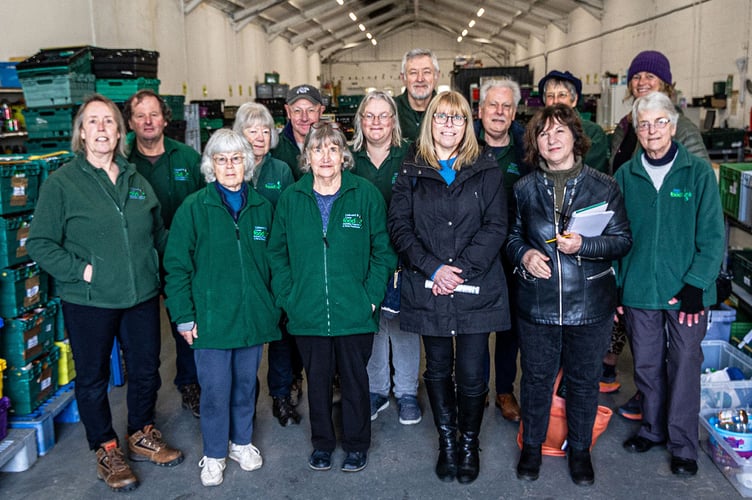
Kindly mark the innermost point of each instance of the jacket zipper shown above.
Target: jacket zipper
(601, 274)
(326, 284)
(558, 261)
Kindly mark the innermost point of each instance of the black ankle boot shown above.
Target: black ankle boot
(528, 468)
(580, 467)
(470, 417)
(444, 407)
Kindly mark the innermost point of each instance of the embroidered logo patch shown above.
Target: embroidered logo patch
(352, 221)
(260, 233)
(678, 193)
(513, 168)
(180, 174)
(274, 186)
(136, 193)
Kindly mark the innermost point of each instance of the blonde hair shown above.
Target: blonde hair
(468, 149)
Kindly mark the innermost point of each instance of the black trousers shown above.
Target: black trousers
(92, 331)
(322, 358)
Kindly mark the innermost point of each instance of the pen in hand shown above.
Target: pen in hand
(554, 239)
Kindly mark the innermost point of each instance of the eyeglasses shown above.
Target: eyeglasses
(320, 125)
(658, 124)
(441, 119)
(222, 161)
(370, 117)
(560, 95)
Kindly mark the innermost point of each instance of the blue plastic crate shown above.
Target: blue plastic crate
(719, 323)
(9, 75)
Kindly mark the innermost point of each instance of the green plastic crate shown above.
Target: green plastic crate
(42, 123)
(730, 185)
(19, 185)
(29, 336)
(122, 89)
(57, 60)
(48, 146)
(210, 123)
(57, 90)
(50, 162)
(22, 288)
(13, 233)
(176, 103)
(30, 386)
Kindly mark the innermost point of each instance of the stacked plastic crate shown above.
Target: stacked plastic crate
(211, 114)
(54, 82)
(120, 73)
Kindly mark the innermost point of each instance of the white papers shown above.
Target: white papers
(590, 221)
(474, 290)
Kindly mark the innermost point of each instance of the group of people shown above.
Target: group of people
(342, 258)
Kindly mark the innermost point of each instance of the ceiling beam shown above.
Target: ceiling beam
(254, 11)
(189, 6)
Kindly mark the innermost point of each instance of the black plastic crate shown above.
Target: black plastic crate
(176, 130)
(211, 109)
(57, 60)
(124, 63)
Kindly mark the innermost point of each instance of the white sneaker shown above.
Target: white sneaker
(211, 471)
(247, 455)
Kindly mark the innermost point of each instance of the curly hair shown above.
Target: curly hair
(544, 118)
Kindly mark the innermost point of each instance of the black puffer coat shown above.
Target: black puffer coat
(582, 288)
(463, 225)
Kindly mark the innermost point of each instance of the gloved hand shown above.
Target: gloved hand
(691, 299)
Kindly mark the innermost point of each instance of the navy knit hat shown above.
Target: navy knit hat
(558, 75)
(651, 61)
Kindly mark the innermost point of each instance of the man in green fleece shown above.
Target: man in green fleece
(420, 76)
(173, 170)
(304, 107)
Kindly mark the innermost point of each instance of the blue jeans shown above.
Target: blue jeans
(185, 365)
(92, 331)
(228, 396)
(405, 359)
(466, 364)
(579, 349)
(284, 363)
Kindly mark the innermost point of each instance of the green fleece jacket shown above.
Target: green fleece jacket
(409, 119)
(175, 175)
(271, 178)
(328, 279)
(218, 273)
(288, 151)
(83, 218)
(677, 232)
(598, 154)
(384, 176)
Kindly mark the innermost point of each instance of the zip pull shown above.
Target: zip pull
(326, 243)
(396, 274)
(579, 260)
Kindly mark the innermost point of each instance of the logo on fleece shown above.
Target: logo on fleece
(136, 193)
(678, 193)
(273, 186)
(352, 221)
(181, 174)
(260, 233)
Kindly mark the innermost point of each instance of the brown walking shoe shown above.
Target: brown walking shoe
(113, 469)
(148, 445)
(509, 407)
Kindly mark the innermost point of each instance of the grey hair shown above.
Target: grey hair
(254, 114)
(560, 81)
(358, 139)
(654, 101)
(317, 136)
(77, 142)
(501, 83)
(411, 54)
(225, 140)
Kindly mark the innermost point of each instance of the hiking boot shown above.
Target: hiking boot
(510, 408)
(212, 471)
(247, 455)
(113, 469)
(192, 398)
(296, 391)
(147, 446)
(284, 411)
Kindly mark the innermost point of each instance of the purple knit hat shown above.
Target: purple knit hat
(651, 61)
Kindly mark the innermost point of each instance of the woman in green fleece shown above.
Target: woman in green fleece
(218, 293)
(97, 229)
(331, 257)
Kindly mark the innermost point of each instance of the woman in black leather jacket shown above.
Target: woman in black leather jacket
(448, 221)
(566, 294)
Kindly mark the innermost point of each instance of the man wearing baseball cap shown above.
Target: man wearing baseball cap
(564, 88)
(304, 107)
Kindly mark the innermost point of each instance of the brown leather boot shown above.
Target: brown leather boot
(147, 445)
(509, 407)
(113, 469)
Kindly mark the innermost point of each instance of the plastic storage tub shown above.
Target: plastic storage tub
(730, 394)
(719, 323)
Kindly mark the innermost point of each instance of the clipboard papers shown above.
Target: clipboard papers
(590, 221)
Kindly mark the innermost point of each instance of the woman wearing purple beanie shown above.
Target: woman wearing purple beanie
(650, 71)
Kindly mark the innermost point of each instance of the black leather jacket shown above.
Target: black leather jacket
(582, 288)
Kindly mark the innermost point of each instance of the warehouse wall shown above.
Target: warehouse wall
(200, 52)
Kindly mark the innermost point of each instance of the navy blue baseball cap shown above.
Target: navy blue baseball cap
(558, 75)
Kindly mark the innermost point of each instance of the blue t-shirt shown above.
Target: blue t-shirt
(446, 170)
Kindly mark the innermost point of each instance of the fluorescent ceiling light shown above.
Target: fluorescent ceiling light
(361, 27)
(481, 11)
(471, 23)
(373, 41)
(341, 2)
(459, 39)
(369, 36)
(464, 32)
(353, 16)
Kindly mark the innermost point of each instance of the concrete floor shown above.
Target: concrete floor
(401, 461)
